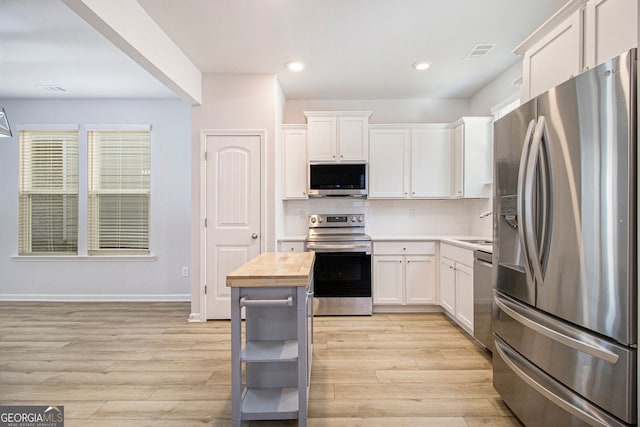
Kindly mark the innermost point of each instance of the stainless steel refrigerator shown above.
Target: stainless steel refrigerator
(565, 257)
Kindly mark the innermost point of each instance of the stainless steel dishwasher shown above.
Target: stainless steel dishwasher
(482, 298)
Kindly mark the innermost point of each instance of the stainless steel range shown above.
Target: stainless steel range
(342, 271)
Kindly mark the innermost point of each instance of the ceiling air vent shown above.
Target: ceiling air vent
(53, 88)
(479, 51)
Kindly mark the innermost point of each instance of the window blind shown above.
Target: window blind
(119, 173)
(48, 192)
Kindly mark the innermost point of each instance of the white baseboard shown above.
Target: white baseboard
(407, 309)
(196, 317)
(97, 298)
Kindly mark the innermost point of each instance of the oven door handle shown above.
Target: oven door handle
(350, 247)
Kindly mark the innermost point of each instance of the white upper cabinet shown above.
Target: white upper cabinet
(554, 59)
(581, 35)
(322, 139)
(410, 162)
(294, 159)
(431, 160)
(472, 169)
(611, 29)
(338, 136)
(389, 163)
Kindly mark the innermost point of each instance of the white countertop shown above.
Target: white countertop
(453, 240)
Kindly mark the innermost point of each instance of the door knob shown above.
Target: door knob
(254, 236)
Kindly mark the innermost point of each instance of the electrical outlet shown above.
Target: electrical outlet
(185, 271)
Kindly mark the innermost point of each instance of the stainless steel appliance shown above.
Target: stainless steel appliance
(482, 297)
(342, 271)
(338, 179)
(566, 252)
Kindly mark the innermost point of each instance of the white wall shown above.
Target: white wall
(232, 102)
(384, 110)
(497, 91)
(84, 278)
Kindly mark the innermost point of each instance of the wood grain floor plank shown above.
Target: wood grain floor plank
(142, 364)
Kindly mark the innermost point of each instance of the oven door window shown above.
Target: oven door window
(342, 274)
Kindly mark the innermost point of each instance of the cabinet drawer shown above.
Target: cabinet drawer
(404, 248)
(456, 253)
(290, 246)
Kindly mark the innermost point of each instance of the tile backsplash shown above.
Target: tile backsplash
(396, 217)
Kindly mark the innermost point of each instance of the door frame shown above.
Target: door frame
(204, 134)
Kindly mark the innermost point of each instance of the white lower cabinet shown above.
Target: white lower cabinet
(290, 246)
(456, 284)
(404, 273)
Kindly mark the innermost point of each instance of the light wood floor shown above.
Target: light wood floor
(142, 364)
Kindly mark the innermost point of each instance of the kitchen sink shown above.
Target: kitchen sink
(477, 241)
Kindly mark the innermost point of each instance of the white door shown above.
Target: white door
(233, 213)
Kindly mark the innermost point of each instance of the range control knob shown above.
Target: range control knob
(353, 219)
(360, 218)
(320, 220)
(313, 220)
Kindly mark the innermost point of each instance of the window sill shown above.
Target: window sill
(83, 258)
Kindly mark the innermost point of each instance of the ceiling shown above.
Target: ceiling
(353, 49)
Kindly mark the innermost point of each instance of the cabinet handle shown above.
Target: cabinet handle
(246, 302)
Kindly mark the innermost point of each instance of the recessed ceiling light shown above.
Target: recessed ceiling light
(421, 65)
(295, 66)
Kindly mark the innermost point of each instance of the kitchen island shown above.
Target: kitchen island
(276, 291)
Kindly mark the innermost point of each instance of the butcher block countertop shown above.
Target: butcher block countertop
(274, 269)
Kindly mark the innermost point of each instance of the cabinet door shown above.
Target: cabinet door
(388, 163)
(294, 178)
(464, 296)
(353, 138)
(554, 59)
(457, 165)
(321, 134)
(387, 279)
(420, 280)
(431, 163)
(448, 285)
(611, 29)
(478, 156)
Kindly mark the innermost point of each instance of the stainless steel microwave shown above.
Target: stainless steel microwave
(338, 179)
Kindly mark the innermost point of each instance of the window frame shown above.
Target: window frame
(67, 165)
(96, 190)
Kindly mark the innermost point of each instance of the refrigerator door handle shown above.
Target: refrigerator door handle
(578, 412)
(591, 349)
(529, 233)
(522, 176)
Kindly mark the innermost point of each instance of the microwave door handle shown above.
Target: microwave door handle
(521, 211)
